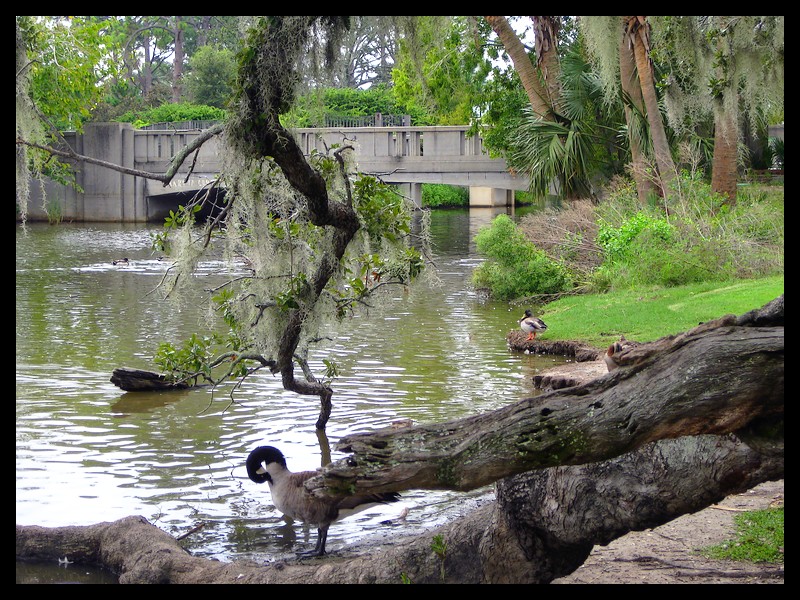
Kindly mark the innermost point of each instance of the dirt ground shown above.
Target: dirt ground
(669, 554)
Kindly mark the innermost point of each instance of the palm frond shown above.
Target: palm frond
(553, 155)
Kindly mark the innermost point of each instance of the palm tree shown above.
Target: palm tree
(634, 111)
(637, 35)
(561, 156)
(525, 68)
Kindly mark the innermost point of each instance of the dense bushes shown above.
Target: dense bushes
(692, 237)
(435, 195)
(699, 238)
(515, 267)
(171, 113)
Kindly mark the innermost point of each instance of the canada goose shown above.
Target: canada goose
(120, 261)
(266, 463)
(531, 324)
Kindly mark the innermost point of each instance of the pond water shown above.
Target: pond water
(88, 452)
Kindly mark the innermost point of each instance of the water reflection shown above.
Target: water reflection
(88, 452)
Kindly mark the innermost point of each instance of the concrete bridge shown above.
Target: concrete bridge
(406, 156)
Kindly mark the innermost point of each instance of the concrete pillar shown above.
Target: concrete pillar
(488, 196)
(108, 194)
(411, 190)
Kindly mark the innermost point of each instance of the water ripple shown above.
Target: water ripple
(87, 452)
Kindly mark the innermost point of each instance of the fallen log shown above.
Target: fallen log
(137, 380)
(718, 378)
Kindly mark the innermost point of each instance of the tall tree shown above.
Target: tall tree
(178, 26)
(545, 39)
(537, 94)
(339, 241)
(611, 53)
(440, 68)
(637, 34)
(747, 71)
(728, 68)
(556, 143)
(634, 110)
(61, 67)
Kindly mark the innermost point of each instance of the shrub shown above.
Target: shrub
(617, 242)
(169, 113)
(700, 239)
(515, 267)
(435, 195)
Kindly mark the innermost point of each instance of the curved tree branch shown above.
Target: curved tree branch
(715, 379)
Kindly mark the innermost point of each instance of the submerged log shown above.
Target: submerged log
(518, 342)
(137, 380)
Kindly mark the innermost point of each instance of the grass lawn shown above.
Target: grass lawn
(644, 315)
(759, 538)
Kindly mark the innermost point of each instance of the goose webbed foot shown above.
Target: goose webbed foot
(319, 549)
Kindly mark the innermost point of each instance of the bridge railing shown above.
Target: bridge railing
(195, 125)
(405, 141)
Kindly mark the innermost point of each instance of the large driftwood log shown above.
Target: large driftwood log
(543, 525)
(717, 378)
(638, 447)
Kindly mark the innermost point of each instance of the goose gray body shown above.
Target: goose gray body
(267, 464)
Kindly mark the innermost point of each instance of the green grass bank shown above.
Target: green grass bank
(646, 314)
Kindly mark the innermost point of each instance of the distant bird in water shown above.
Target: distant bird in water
(120, 261)
(267, 464)
(532, 325)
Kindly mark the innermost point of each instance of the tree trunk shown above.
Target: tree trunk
(146, 78)
(638, 29)
(545, 31)
(522, 64)
(726, 123)
(681, 424)
(549, 520)
(177, 63)
(632, 90)
(724, 164)
(714, 379)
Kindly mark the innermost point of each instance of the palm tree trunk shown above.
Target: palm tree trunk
(545, 31)
(522, 64)
(726, 125)
(638, 29)
(633, 90)
(177, 63)
(723, 169)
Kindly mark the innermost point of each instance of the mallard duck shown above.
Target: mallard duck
(608, 357)
(267, 464)
(531, 324)
(611, 355)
